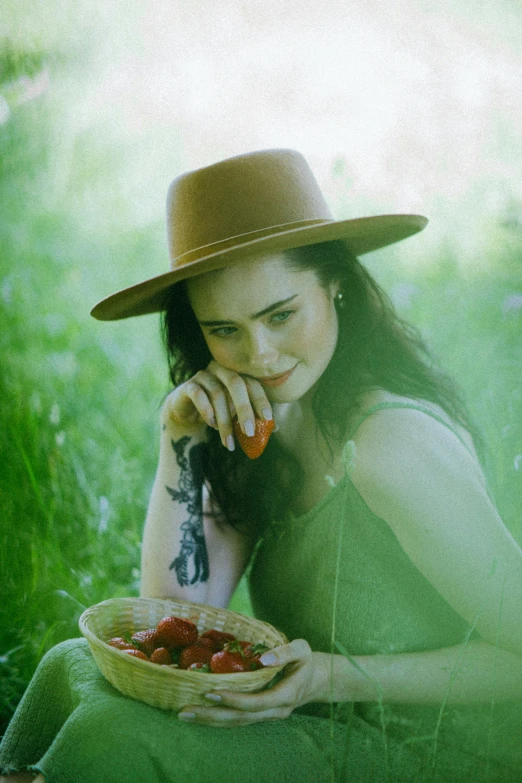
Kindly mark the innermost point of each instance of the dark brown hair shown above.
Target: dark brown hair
(375, 349)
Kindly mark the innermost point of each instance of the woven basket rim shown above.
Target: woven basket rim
(167, 671)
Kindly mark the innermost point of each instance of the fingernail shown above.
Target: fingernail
(268, 659)
(213, 422)
(267, 413)
(230, 443)
(187, 716)
(213, 697)
(249, 428)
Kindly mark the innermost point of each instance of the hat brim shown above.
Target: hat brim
(362, 235)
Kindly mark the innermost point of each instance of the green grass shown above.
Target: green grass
(79, 399)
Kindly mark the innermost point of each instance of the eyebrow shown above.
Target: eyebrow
(252, 317)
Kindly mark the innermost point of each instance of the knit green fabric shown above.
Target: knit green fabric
(338, 573)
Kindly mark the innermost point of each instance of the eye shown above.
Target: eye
(222, 331)
(282, 316)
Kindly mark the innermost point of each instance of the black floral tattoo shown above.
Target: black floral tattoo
(193, 545)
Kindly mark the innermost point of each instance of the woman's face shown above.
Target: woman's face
(263, 318)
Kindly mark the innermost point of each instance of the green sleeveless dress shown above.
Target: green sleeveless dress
(333, 575)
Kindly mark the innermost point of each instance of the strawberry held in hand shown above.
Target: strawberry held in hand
(255, 445)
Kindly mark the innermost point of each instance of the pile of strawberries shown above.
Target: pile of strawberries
(175, 642)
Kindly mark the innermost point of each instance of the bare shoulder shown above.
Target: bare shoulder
(393, 445)
(417, 476)
(407, 416)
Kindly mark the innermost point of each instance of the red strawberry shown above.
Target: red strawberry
(121, 644)
(147, 641)
(226, 662)
(176, 632)
(251, 649)
(205, 641)
(194, 654)
(217, 638)
(136, 654)
(161, 656)
(255, 445)
(244, 656)
(254, 652)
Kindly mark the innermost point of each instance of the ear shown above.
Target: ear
(334, 289)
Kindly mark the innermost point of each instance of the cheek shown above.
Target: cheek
(319, 335)
(218, 350)
(222, 353)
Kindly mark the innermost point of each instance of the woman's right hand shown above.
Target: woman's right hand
(213, 397)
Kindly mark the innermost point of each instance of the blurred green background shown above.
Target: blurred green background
(412, 108)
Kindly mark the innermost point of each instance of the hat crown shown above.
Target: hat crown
(248, 195)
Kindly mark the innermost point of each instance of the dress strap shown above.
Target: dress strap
(381, 405)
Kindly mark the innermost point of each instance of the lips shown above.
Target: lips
(276, 380)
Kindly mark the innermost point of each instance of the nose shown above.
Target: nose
(261, 352)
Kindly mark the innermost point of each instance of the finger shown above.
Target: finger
(217, 393)
(231, 405)
(201, 402)
(238, 392)
(296, 650)
(224, 717)
(259, 399)
(281, 696)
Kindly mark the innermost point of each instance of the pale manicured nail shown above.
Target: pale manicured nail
(230, 443)
(249, 428)
(213, 422)
(268, 659)
(187, 716)
(213, 697)
(267, 413)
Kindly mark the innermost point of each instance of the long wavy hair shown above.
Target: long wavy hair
(375, 349)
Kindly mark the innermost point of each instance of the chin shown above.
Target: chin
(293, 393)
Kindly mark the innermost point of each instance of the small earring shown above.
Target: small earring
(339, 299)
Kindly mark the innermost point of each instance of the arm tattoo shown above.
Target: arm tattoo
(193, 545)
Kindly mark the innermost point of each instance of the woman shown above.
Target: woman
(366, 523)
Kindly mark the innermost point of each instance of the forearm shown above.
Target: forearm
(174, 560)
(478, 672)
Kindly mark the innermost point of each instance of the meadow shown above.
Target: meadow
(79, 400)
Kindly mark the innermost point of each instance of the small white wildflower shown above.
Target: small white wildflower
(105, 512)
(6, 289)
(54, 416)
(512, 303)
(5, 111)
(36, 402)
(518, 462)
(63, 363)
(60, 438)
(55, 323)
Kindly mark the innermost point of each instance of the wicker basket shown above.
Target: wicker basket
(162, 686)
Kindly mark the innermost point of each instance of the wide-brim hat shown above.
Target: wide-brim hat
(260, 202)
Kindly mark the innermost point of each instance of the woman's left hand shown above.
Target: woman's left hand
(299, 686)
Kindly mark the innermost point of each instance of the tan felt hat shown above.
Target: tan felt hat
(260, 202)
